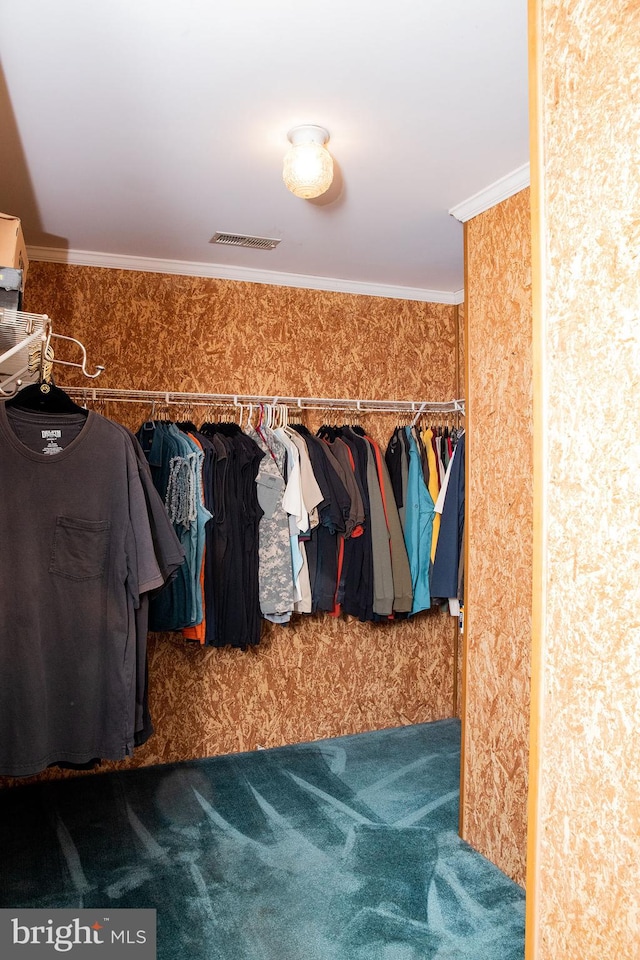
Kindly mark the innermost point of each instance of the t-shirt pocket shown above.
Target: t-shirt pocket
(269, 490)
(79, 550)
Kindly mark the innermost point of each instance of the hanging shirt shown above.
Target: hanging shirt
(237, 514)
(418, 527)
(311, 492)
(170, 608)
(445, 573)
(401, 571)
(356, 587)
(198, 631)
(287, 458)
(275, 573)
(198, 517)
(170, 557)
(311, 497)
(383, 592)
(434, 486)
(78, 557)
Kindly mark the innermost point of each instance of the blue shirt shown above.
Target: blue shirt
(418, 528)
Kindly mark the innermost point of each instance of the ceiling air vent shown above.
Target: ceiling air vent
(238, 240)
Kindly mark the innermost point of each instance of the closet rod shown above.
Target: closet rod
(168, 397)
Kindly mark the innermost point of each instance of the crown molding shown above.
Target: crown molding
(501, 190)
(217, 271)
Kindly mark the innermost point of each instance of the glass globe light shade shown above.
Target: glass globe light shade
(308, 166)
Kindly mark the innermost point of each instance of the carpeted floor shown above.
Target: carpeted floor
(342, 849)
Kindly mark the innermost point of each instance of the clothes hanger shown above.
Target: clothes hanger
(45, 397)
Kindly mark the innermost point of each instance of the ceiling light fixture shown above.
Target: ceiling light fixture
(308, 165)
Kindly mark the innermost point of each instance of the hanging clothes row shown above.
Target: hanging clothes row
(208, 531)
(277, 521)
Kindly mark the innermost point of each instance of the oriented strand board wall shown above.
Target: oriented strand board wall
(585, 882)
(321, 677)
(498, 575)
(461, 393)
(461, 351)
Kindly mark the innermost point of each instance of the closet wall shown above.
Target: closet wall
(461, 392)
(498, 570)
(583, 895)
(321, 677)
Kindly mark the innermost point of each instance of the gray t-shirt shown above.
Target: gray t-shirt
(76, 556)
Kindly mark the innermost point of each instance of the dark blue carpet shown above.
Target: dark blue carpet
(342, 849)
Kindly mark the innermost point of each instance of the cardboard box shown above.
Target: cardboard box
(11, 284)
(13, 250)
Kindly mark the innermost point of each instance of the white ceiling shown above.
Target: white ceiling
(138, 128)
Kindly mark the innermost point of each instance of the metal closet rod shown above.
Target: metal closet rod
(168, 397)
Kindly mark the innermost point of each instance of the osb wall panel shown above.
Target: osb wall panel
(500, 504)
(461, 393)
(319, 677)
(589, 802)
(160, 332)
(461, 350)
